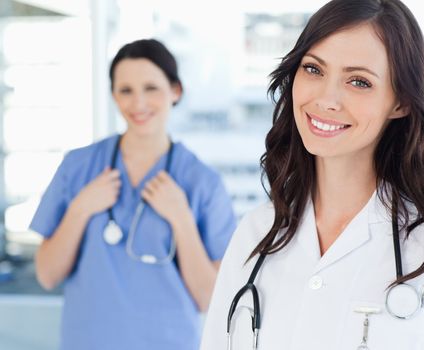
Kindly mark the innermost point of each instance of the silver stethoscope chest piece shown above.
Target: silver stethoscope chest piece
(403, 301)
(112, 233)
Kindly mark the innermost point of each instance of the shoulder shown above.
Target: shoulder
(82, 157)
(380, 217)
(234, 271)
(414, 244)
(416, 237)
(253, 227)
(88, 152)
(188, 167)
(260, 219)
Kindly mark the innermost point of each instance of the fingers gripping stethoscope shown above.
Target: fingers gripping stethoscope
(113, 233)
(403, 300)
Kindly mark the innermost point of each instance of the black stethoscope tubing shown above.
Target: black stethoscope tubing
(250, 286)
(396, 245)
(113, 166)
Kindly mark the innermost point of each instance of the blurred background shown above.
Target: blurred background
(55, 96)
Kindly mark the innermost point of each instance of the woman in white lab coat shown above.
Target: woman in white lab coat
(345, 164)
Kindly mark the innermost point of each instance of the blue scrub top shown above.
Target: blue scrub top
(112, 301)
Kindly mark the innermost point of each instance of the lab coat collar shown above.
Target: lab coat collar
(307, 235)
(356, 234)
(378, 213)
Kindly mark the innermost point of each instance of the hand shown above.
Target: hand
(165, 197)
(99, 194)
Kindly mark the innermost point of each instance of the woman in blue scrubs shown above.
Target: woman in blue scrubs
(112, 299)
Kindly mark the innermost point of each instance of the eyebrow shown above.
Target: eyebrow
(346, 69)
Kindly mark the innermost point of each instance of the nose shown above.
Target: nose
(139, 101)
(329, 97)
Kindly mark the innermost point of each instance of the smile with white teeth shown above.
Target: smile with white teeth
(327, 127)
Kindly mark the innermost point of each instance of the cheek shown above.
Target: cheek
(122, 101)
(304, 90)
(161, 99)
(297, 91)
(368, 111)
(302, 94)
(120, 104)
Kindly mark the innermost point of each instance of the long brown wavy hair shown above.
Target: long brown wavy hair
(399, 155)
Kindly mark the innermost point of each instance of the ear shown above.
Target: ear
(400, 111)
(177, 91)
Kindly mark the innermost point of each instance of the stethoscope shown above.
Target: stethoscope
(403, 300)
(113, 233)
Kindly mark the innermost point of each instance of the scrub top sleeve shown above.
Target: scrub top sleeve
(53, 204)
(217, 220)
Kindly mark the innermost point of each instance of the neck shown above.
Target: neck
(342, 190)
(343, 186)
(144, 147)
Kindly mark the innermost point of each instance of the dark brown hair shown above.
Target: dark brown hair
(399, 155)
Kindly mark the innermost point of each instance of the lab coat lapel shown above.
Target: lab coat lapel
(307, 235)
(356, 234)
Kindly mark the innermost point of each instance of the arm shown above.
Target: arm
(197, 269)
(56, 255)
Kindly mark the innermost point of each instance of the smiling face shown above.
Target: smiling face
(144, 96)
(342, 94)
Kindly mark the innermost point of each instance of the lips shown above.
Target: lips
(141, 118)
(325, 127)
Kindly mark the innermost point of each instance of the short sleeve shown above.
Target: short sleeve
(217, 221)
(53, 204)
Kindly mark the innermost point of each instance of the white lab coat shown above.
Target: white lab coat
(308, 301)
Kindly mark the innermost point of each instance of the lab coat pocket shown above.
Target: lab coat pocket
(370, 324)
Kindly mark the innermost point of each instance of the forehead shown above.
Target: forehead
(356, 46)
(138, 69)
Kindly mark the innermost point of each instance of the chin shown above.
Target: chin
(140, 131)
(148, 131)
(317, 151)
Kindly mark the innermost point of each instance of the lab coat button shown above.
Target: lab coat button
(315, 282)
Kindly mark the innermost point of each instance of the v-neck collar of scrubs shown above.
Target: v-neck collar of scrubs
(159, 165)
(355, 234)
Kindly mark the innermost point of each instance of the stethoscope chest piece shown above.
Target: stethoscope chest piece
(403, 301)
(112, 233)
